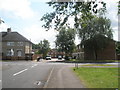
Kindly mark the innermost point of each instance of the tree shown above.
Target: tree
(95, 33)
(97, 25)
(89, 20)
(43, 47)
(65, 41)
(65, 10)
(35, 46)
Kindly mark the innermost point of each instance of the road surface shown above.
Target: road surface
(43, 74)
(31, 74)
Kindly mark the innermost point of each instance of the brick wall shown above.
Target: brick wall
(108, 53)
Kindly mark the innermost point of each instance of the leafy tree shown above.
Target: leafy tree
(88, 20)
(65, 10)
(43, 47)
(94, 26)
(35, 46)
(65, 41)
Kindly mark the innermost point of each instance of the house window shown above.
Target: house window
(10, 43)
(20, 44)
(19, 53)
(10, 52)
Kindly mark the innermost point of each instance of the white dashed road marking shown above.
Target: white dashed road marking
(19, 72)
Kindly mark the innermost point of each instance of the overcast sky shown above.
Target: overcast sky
(24, 16)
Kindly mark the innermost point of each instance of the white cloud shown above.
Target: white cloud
(40, 0)
(36, 34)
(3, 27)
(19, 8)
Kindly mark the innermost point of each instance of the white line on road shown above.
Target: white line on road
(0, 80)
(45, 86)
(19, 72)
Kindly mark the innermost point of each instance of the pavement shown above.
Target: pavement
(63, 77)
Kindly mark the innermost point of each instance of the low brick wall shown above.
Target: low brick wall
(12, 58)
(16, 58)
(35, 56)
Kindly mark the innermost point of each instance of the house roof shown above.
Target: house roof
(13, 36)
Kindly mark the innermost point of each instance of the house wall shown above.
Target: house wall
(5, 47)
(26, 48)
(109, 53)
(55, 53)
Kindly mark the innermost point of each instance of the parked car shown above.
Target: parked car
(48, 57)
(59, 57)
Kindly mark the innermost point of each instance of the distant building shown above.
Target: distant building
(15, 46)
(54, 53)
(107, 53)
(79, 54)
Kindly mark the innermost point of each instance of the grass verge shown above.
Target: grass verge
(98, 65)
(98, 77)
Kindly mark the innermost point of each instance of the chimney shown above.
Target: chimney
(8, 29)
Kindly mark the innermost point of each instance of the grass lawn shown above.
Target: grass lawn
(99, 65)
(98, 77)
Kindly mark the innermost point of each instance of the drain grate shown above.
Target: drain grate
(39, 83)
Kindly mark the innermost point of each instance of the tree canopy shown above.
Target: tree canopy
(89, 28)
(95, 33)
(65, 40)
(87, 18)
(43, 47)
(63, 11)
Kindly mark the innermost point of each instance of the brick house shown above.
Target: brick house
(54, 53)
(108, 53)
(79, 53)
(15, 46)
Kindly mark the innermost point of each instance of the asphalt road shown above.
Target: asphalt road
(29, 74)
(44, 74)
(25, 74)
